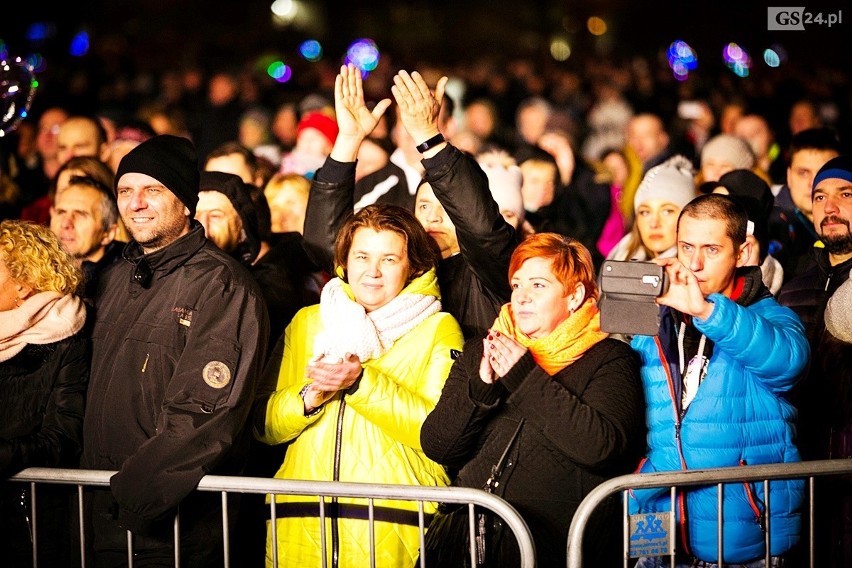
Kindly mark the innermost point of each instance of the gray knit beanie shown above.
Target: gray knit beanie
(838, 312)
(731, 149)
(673, 181)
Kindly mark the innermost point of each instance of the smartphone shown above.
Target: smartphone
(628, 293)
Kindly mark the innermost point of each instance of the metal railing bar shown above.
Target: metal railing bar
(733, 474)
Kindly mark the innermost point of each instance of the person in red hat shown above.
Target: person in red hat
(315, 137)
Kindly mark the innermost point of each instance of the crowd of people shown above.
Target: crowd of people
(388, 285)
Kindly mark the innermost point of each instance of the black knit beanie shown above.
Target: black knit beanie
(171, 160)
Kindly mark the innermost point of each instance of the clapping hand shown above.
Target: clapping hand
(499, 355)
(330, 377)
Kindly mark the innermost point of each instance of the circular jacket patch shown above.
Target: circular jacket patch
(216, 374)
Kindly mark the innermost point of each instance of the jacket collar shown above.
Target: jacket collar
(166, 260)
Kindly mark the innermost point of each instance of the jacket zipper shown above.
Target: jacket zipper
(678, 442)
(338, 437)
(759, 517)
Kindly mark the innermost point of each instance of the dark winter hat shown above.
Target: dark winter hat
(171, 160)
(238, 194)
(745, 183)
(839, 167)
(747, 188)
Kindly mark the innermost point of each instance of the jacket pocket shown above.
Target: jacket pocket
(150, 355)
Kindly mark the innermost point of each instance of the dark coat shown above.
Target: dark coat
(43, 392)
(824, 396)
(180, 338)
(288, 280)
(582, 426)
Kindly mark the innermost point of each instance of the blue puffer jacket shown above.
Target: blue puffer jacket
(738, 417)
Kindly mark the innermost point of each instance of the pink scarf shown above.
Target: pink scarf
(43, 318)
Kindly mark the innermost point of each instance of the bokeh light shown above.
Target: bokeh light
(737, 59)
(283, 8)
(19, 85)
(80, 45)
(363, 54)
(560, 49)
(771, 58)
(596, 26)
(311, 50)
(279, 71)
(36, 62)
(4, 51)
(37, 32)
(682, 59)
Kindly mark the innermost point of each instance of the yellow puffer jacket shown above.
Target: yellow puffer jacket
(371, 435)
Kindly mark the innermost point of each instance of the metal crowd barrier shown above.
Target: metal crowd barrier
(801, 470)
(320, 489)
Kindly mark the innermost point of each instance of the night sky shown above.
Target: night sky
(441, 30)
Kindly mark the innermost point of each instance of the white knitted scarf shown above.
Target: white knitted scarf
(348, 328)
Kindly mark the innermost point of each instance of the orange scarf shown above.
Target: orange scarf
(565, 344)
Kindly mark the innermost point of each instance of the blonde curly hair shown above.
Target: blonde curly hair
(34, 257)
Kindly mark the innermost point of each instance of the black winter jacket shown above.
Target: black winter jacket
(474, 283)
(824, 396)
(582, 426)
(179, 340)
(43, 391)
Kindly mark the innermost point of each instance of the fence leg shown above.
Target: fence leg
(82, 531)
(226, 533)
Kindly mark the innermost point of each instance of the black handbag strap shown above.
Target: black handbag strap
(497, 469)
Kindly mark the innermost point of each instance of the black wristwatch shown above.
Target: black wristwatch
(431, 143)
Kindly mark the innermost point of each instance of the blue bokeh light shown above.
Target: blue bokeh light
(80, 44)
(311, 50)
(682, 59)
(363, 54)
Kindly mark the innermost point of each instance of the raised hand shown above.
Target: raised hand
(354, 120)
(418, 106)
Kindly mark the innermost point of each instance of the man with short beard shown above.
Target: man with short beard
(823, 399)
(179, 342)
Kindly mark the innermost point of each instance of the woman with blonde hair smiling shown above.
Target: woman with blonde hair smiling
(44, 370)
(664, 191)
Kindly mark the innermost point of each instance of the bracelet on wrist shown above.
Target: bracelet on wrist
(431, 143)
(302, 394)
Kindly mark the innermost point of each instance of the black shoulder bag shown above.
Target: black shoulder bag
(447, 539)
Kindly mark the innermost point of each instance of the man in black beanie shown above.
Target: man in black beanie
(181, 335)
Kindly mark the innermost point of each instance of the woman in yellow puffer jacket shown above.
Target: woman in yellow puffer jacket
(357, 375)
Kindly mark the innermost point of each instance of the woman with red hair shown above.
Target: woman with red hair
(548, 399)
